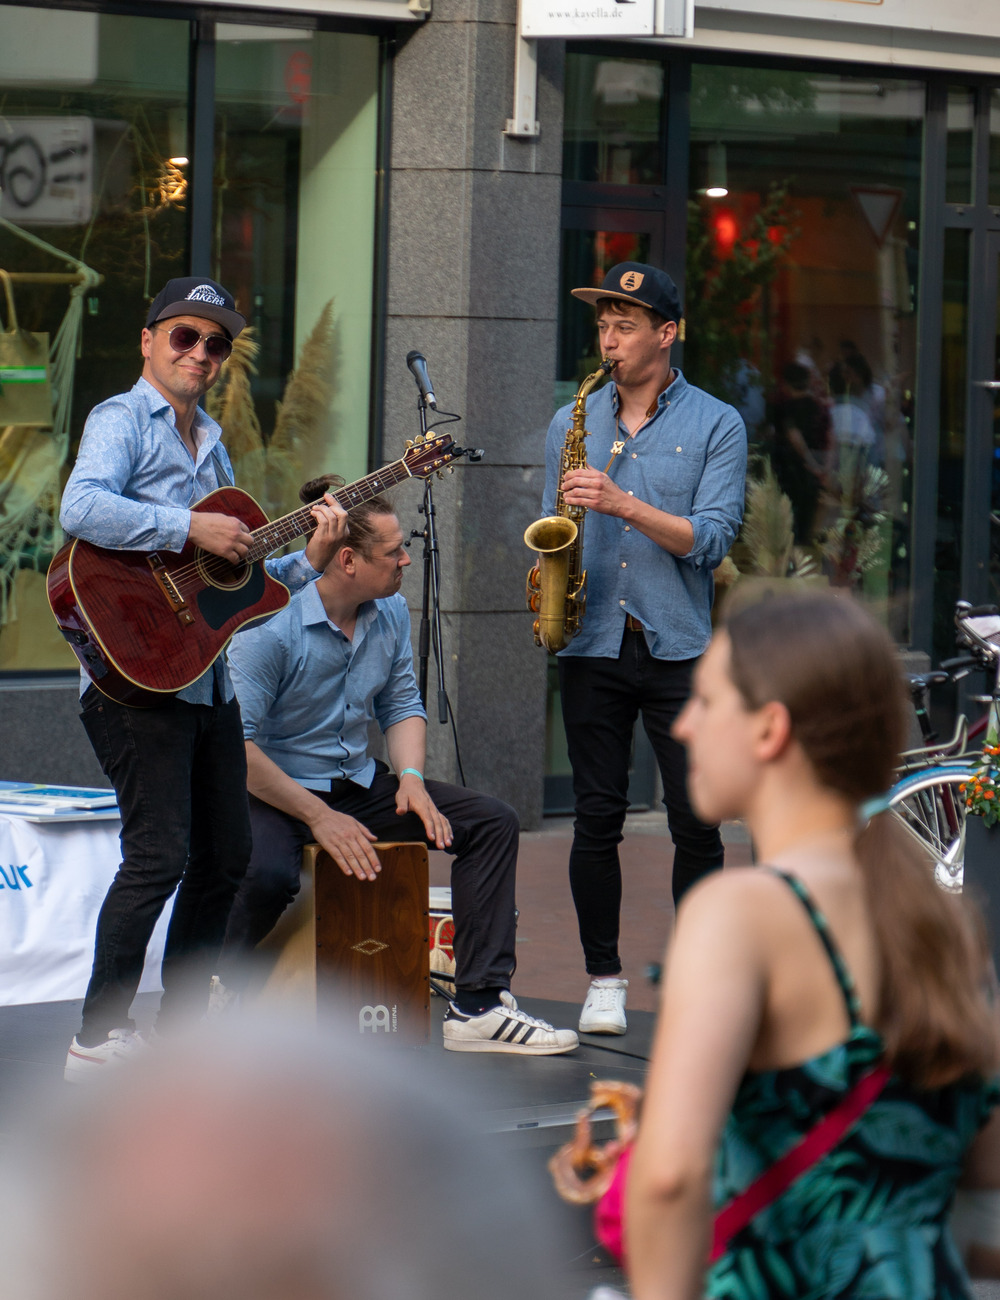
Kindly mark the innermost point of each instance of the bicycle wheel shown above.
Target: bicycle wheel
(932, 808)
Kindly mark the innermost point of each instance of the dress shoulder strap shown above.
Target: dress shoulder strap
(822, 927)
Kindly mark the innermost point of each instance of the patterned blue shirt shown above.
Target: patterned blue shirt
(307, 693)
(134, 482)
(690, 460)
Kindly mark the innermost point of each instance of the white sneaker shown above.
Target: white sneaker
(505, 1029)
(221, 999)
(120, 1045)
(604, 1010)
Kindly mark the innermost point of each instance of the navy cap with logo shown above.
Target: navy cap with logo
(193, 295)
(637, 282)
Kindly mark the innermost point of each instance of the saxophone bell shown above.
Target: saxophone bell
(546, 536)
(556, 588)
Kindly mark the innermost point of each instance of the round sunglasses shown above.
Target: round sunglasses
(182, 338)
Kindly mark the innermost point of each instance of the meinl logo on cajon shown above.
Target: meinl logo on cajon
(376, 1019)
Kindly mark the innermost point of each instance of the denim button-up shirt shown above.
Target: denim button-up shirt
(689, 459)
(134, 482)
(307, 693)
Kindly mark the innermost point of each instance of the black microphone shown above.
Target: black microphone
(418, 365)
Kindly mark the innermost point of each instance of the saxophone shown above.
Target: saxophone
(556, 587)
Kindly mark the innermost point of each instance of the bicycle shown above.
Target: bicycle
(929, 798)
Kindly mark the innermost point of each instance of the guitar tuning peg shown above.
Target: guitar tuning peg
(419, 438)
(451, 469)
(409, 443)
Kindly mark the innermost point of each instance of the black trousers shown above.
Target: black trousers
(601, 699)
(485, 832)
(179, 771)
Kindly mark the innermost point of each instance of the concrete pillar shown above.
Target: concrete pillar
(473, 282)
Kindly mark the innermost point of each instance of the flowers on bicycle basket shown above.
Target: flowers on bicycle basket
(982, 790)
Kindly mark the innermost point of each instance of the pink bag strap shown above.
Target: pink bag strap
(808, 1151)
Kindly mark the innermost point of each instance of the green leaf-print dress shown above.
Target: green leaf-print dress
(869, 1219)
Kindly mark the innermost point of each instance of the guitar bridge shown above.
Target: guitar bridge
(169, 588)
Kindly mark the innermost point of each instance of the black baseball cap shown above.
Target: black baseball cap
(193, 295)
(637, 282)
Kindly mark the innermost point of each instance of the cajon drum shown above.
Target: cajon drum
(372, 936)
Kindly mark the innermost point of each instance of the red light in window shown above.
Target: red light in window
(298, 76)
(725, 230)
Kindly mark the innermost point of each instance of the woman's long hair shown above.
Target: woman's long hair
(838, 674)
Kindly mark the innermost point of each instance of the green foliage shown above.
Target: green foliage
(982, 791)
(724, 98)
(727, 317)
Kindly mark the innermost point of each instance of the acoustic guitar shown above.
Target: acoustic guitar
(145, 624)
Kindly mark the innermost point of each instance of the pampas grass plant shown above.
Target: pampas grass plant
(231, 404)
(271, 469)
(300, 426)
(766, 545)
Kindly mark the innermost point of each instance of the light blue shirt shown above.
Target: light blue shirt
(690, 460)
(134, 483)
(307, 693)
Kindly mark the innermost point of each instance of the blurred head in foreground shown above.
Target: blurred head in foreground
(269, 1163)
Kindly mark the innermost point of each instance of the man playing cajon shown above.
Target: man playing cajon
(309, 683)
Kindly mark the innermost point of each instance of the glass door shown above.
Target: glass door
(967, 562)
(983, 488)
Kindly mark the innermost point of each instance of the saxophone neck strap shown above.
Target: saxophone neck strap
(618, 446)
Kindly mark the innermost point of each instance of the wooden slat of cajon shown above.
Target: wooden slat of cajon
(373, 936)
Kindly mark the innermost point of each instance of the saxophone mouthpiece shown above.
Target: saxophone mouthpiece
(607, 365)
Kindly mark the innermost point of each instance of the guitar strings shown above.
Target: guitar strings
(355, 494)
(288, 525)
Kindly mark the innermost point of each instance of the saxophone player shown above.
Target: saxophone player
(661, 516)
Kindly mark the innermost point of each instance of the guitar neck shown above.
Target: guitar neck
(281, 531)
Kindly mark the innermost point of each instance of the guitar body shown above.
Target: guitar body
(146, 624)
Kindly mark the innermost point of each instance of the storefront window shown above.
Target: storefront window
(94, 169)
(613, 125)
(801, 300)
(586, 256)
(93, 222)
(951, 446)
(296, 129)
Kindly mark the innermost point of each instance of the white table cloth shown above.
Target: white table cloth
(53, 878)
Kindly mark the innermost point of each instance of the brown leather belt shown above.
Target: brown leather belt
(633, 624)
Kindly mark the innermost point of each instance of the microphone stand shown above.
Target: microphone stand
(430, 614)
(430, 617)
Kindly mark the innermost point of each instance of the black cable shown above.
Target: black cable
(454, 736)
(449, 418)
(617, 1051)
(442, 992)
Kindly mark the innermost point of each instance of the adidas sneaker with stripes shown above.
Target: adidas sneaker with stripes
(505, 1029)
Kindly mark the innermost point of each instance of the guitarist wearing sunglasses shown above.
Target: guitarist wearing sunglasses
(178, 768)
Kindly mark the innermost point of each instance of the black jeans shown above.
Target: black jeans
(601, 699)
(485, 832)
(179, 771)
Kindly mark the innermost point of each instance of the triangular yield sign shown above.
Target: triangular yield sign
(879, 205)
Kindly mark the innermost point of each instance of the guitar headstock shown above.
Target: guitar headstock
(424, 456)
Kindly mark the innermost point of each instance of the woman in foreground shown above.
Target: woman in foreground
(788, 981)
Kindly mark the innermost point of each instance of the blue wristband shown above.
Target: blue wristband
(413, 772)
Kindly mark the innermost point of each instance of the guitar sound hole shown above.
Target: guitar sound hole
(217, 572)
